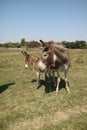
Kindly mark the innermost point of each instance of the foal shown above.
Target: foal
(38, 65)
(59, 60)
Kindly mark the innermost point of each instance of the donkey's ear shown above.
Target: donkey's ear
(23, 52)
(42, 43)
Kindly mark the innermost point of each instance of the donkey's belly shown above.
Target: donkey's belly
(63, 67)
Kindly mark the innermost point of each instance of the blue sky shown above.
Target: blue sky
(56, 20)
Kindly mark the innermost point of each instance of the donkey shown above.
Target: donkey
(59, 60)
(38, 65)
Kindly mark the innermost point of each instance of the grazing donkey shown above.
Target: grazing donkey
(58, 59)
(38, 65)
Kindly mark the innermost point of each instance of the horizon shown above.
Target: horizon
(38, 41)
(57, 20)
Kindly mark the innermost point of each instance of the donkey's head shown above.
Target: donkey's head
(46, 50)
(27, 59)
(47, 53)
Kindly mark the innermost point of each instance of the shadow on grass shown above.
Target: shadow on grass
(62, 84)
(51, 87)
(5, 86)
(42, 82)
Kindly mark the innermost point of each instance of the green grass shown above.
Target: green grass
(23, 107)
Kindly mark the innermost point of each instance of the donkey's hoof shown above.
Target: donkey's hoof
(56, 93)
(68, 92)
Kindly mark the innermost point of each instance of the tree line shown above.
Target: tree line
(34, 44)
(76, 45)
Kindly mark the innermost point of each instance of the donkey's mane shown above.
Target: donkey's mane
(56, 45)
(53, 42)
(34, 58)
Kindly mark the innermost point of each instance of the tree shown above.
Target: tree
(33, 44)
(6, 45)
(23, 42)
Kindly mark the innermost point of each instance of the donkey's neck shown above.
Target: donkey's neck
(63, 57)
(33, 60)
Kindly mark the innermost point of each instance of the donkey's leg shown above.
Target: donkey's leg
(48, 80)
(58, 82)
(53, 74)
(38, 79)
(66, 81)
(46, 83)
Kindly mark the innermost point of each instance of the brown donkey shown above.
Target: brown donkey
(38, 65)
(57, 57)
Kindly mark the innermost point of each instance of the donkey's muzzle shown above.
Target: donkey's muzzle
(26, 66)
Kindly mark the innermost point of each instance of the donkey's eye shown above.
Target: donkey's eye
(45, 55)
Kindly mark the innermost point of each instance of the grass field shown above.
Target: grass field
(23, 107)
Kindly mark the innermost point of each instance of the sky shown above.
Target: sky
(58, 20)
